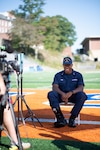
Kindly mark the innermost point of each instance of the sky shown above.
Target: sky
(83, 14)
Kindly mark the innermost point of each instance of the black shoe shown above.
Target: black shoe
(59, 124)
(72, 123)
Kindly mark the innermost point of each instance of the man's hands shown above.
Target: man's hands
(65, 96)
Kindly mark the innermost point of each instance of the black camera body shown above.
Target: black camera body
(7, 67)
(4, 66)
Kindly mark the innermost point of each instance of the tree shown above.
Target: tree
(30, 10)
(55, 32)
(59, 32)
(23, 31)
(25, 34)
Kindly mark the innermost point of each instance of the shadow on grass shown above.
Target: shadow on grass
(69, 145)
(4, 143)
(42, 144)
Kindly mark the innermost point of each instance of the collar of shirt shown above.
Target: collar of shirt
(73, 73)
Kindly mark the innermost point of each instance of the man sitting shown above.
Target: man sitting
(67, 87)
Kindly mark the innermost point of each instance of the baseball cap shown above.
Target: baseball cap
(67, 61)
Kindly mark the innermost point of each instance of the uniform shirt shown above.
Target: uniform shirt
(68, 82)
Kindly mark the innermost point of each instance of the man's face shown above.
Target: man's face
(68, 68)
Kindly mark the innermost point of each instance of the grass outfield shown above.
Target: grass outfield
(40, 144)
(44, 79)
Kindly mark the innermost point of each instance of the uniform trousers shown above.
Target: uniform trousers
(78, 99)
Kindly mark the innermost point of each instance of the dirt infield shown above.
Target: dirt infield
(88, 131)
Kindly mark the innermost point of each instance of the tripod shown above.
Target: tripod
(20, 99)
(6, 99)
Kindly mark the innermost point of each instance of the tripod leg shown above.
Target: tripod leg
(15, 102)
(16, 127)
(30, 113)
(34, 116)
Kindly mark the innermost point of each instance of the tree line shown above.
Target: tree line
(31, 29)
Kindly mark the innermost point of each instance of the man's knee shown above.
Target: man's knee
(82, 96)
(51, 94)
(53, 99)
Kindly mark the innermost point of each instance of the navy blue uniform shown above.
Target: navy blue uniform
(67, 83)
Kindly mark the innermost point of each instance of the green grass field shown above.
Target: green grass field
(44, 79)
(41, 144)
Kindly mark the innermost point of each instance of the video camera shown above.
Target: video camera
(7, 67)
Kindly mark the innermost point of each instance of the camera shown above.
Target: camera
(7, 67)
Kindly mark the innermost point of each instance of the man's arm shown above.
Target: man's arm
(78, 89)
(65, 96)
(55, 87)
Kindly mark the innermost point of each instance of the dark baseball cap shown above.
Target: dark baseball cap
(67, 61)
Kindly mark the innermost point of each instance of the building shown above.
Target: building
(91, 47)
(5, 25)
(67, 52)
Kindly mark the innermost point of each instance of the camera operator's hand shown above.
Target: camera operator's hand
(2, 86)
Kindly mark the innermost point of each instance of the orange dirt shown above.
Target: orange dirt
(83, 132)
